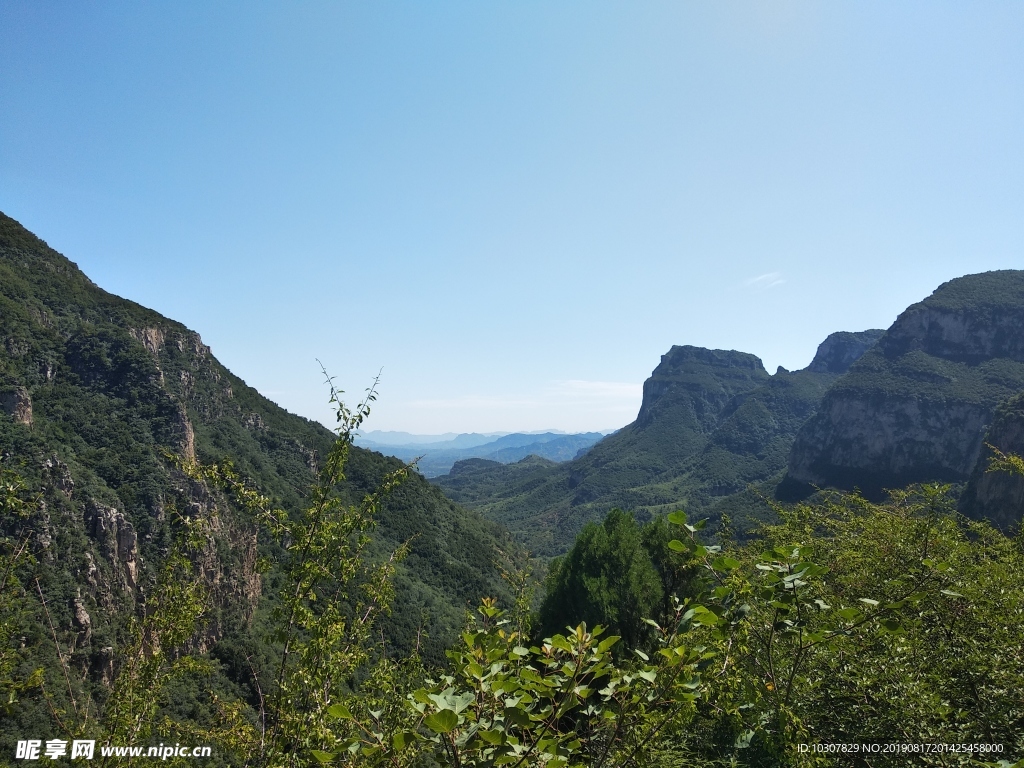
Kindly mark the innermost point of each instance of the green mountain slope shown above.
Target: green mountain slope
(711, 423)
(95, 389)
(915, 408)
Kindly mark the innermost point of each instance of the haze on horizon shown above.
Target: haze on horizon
(513, 210)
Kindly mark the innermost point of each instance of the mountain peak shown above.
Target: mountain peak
(842, 349)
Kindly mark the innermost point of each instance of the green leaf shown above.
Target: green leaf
(677, 518)
(442, 721)
(322, 757)
(950, 593)
(339, 712)
(891, 625)
(725, 564)
(677, 546)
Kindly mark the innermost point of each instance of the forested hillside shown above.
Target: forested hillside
(712, 422)
(97, 393)
(915, 408)
(183, 561)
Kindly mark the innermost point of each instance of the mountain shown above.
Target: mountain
(438, 458)
(711, 423)
(95, 390)
(915, 407)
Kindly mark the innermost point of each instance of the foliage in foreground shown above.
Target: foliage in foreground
(848, 622)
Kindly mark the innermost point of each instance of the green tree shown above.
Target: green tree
(607, 579)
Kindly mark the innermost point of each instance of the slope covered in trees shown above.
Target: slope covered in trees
(712, 422)
(915, 407)
(96, 394)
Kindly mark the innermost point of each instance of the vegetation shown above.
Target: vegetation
(113, 388)
(848, 622)
(149, 592)
(617, 575)
(667, 458)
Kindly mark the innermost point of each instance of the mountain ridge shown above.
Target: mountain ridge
(687, 446)
(915, 408)
(94, 389)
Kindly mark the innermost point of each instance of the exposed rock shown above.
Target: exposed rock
(841, 350)
(117, 540)
(83, 622)
(915, 407)
(17, 404)
(185, 435)
(57, 472)
(702, 380)
(103, 666)
(152, 339)
(15, 347)
(253, 421)
(90, 572)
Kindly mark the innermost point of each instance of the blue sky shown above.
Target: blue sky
(513, 209)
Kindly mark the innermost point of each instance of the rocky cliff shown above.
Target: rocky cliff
(916, 406)
(842, 349)
(711, 423)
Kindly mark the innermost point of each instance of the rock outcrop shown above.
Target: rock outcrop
(916, 406)
(712, 423)
(17, 404)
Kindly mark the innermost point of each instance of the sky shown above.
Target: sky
(512, 210)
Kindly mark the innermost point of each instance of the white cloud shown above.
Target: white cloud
(571, 405)
(765, 281)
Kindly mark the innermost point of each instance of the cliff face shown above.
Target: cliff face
(842, 349)
(711, 423)
(998, 496)
(915, 407)
(697, 384)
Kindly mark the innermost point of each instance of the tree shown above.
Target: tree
(606, 579)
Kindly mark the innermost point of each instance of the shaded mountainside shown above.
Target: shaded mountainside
(95, 389)
(998, 496)
(711, 423)
(915, 408)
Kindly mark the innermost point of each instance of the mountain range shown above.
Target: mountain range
(437, 458)
(720, 437)
(97, 392)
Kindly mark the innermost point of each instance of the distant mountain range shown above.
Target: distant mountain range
(437, 457)
(712, 422)
(719, 436)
